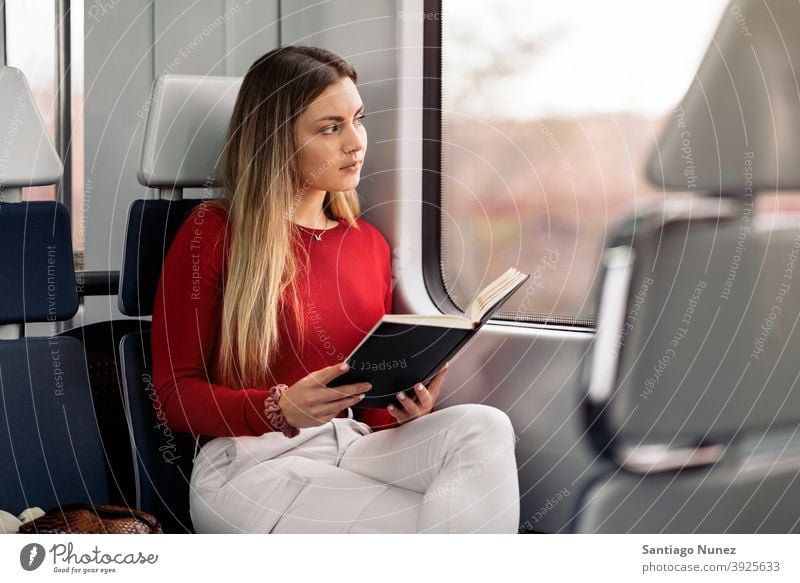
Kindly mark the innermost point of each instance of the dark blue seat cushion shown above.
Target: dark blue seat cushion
(50, 448)
(37, 275)
(152, 225)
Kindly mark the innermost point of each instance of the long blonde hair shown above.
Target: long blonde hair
(261, 181)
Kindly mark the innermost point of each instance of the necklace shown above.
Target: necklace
(317, 236)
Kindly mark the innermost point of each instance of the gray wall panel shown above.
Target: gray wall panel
(251, 32)
(118, 73)
(126, 46)
(190, 36)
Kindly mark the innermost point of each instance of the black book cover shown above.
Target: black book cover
(396, 356)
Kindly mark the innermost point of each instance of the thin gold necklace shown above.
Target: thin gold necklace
(317, 236)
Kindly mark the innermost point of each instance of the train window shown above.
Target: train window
(31, 47)
(548, 113)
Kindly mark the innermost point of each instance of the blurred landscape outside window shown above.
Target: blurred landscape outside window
(549, 113)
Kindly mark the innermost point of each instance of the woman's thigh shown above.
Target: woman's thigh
(331, 499)
(258, 485)
(294, 494)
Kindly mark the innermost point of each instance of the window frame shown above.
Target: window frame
(3, 52)
(432, 219)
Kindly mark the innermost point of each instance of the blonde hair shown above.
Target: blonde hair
(260, 181)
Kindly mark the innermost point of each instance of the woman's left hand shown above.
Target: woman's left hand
(423, 401)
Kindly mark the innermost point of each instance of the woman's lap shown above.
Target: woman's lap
(294, 494)
(242, 485)
(342, 478)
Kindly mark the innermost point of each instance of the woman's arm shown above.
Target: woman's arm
(186, 320)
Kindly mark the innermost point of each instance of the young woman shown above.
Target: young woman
(264, 293)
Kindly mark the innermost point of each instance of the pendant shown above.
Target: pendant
(318, 237)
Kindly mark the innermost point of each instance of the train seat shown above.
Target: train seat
(691, 387)
(186, 125)
(51, 450)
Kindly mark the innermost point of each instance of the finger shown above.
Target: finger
(325, 375)
(437, 380)
(437, 377)
(424, 397)
(409, 406)
(333, 394)
(441, 373)
(335, 407)
(397, 412)
(434, 390)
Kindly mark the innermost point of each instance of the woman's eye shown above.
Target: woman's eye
(329, 130)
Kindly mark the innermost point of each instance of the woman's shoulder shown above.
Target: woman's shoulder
(207, 220)
(370, 230)
(201, 233)
(372, 234)
(211, 210)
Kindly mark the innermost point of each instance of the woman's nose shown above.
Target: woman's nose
(356, 139)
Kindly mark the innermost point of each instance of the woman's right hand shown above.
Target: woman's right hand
(309, 403)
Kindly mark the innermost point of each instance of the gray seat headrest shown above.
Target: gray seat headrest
(737, 130)
(27, 155)
(186, 126)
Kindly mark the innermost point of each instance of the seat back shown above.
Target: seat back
(151, 227)
(186, 126)
(184, 136)
(691, 387)
(38, 277)
(695, 329)
(696, 405)
(50, 447)
(163, 457)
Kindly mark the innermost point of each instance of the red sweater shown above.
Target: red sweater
(346, 293)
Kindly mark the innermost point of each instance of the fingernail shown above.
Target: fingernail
(390, 407)
(367, 386)
(401, 395)
(420, 387)
(361, 396)
(344, 366)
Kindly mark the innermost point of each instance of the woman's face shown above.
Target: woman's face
(330, 137)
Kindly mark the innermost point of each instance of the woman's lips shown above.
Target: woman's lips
(352, 168)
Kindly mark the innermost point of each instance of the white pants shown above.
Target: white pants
(450, 471)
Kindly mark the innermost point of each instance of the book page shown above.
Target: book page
(493, 293)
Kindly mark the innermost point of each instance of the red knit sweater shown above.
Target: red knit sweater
(346, 288)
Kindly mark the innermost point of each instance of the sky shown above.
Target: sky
(590, 56)
(30, 40)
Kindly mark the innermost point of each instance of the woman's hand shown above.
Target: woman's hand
(309, 403)
(423, 401)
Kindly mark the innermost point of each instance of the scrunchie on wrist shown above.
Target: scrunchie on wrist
(275, 415)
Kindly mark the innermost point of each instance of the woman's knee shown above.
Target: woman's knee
(482, 420)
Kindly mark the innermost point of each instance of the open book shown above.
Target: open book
(403, 349)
